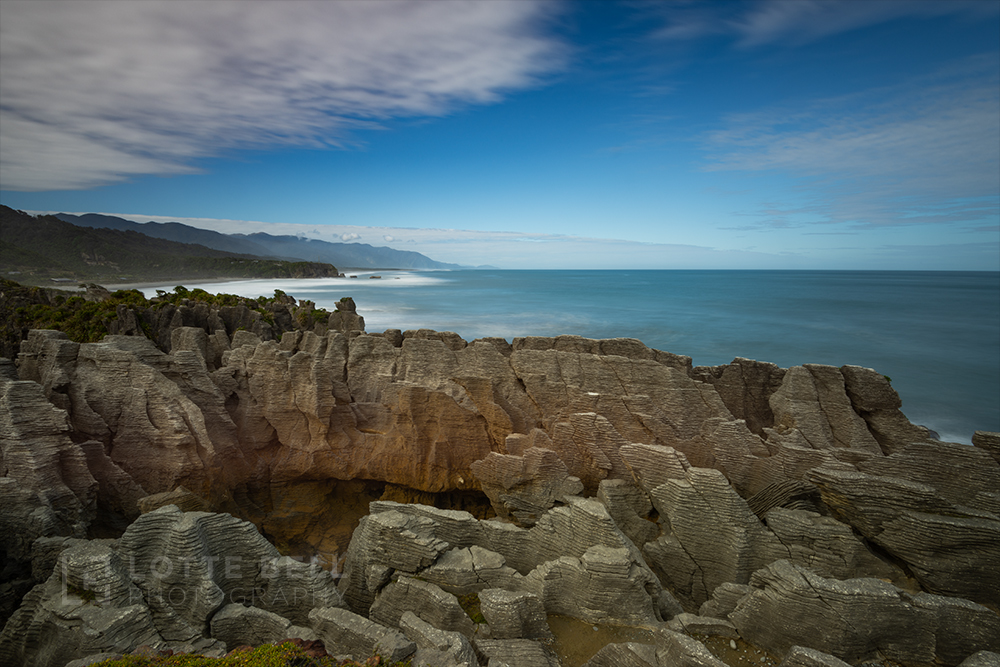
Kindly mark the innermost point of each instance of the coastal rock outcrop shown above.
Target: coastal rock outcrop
(858, 619)
(628, 488)
(164, 584)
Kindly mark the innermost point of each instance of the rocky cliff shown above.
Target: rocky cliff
(785, 508)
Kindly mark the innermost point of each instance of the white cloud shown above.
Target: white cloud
(923, 152)
(96, 92)
(349, 237)
(797, 22)
(389, 238)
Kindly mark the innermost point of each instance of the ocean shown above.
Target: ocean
(935, 334)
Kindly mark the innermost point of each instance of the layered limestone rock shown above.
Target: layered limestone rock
(623, 480)
(605, 581)
(47, 488)
(858, 619)
(522, 488)
(934, 508)
(175, 579)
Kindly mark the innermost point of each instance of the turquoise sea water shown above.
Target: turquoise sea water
(936, 334)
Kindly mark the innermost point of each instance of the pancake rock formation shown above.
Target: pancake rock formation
(153, 493)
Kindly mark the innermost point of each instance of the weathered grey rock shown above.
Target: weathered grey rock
(385, 541)
(291, 588)
(344, 632)
(859, 618)
(435, 606)
(624, 654)
(522, 488)
(745, 386)
(437, 648)
(603, 586)
(87, 606)
(181, 497)
(714, 538)
(957, 472)
(801, 656)
(982, 659)
(813, 401)
(470, 570)
(988, 441)
(653, 465)
(878, 404)
(514, 653)
(702, 625)
(724, 600)
(827, 546)
(189, 564)
(241, 338)
(192, 339)
(791, 494)
(950, 549)
(237, 625)
(676, 649)
(514, 615)
(47, 489)
(93, 659)
(630, 508)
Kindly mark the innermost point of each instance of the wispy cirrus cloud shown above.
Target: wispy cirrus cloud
(797, 22)
(921, 152)
(96, 92)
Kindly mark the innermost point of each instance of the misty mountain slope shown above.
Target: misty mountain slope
(45, 247)
(171, 231)
(355, 255)
(344, 255)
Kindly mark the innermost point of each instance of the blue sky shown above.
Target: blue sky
(770, 134)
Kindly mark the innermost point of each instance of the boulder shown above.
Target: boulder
(951, 549)
(603, 586)
(236, 625)
(630, 509)
(514, 653)
(435, 606)
(344, 632)
(514, 615)
(471, 570)
(522, 488)
(437, 648)
(88, 605)
(858, 619)
(624, 654)
(982, 659)
(679, 650)
(800, 656)
(713, 537)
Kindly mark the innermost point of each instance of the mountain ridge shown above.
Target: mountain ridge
(286, 247)
(47, 248)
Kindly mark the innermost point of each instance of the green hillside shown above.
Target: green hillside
(38, 250)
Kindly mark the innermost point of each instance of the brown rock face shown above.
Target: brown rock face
(273, 430)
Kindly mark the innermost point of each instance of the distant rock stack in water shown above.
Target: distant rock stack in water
(425, 497)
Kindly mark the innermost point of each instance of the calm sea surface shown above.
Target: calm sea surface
(936, 334)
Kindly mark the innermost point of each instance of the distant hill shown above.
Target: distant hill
(40, 249)
(344, 255)
(171, 231)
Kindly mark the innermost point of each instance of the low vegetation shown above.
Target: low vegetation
(86, 316)
(269, 655)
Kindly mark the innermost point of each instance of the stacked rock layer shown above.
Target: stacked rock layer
(793, 509)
